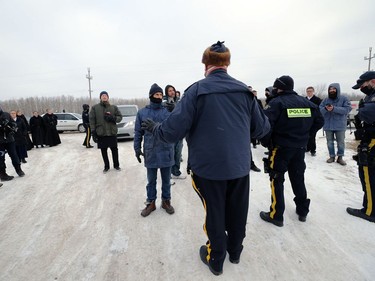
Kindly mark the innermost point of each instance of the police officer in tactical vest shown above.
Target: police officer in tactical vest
(293, 119)
(365, 124)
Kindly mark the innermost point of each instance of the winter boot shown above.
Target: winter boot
(166, 205)
(341, 161)
(331, 160)
(150, 207)
(5, 177)
(254, 167)
(19, 171)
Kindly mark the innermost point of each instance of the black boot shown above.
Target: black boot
(19, 171)
(5, 177)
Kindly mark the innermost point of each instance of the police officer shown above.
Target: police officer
(293, 118)
(86, 124)
(366, 148)
(219, 116)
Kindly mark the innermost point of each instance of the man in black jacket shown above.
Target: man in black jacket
(311, 144)
(293, 119)
(7, 144)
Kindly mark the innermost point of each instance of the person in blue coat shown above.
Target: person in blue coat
(218, 115)
(157, 155)
(335, 109)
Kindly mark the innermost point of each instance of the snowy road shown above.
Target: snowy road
(66, 220)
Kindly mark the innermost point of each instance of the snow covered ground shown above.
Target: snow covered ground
(66, 220)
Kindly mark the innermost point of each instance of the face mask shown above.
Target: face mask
(367, 90)
(155, 100)
(274, 92)
(332, 95)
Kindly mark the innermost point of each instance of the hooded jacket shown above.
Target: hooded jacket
(335, 120)
(157, 154)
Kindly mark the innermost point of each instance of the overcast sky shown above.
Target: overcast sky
(47, 46)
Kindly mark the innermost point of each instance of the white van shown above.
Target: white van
(126, 126)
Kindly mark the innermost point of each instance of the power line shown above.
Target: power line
(89, 77)
(369, 58)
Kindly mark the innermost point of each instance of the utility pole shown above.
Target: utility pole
(369, 58)
(89, 77)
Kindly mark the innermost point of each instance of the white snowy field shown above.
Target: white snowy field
(66, 220)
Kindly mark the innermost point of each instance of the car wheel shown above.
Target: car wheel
(81, 128)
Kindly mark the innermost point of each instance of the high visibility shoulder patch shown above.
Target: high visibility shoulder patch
(298, 112)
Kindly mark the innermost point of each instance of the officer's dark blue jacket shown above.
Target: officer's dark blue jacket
(218, 116)
(293, 118)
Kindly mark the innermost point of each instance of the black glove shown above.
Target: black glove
(170, 106)
(188, 169)
(94, 136)
(109, 117)
(361, 103)
(138, 154)
(148, 125)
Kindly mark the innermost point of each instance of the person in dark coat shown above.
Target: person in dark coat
(52, 137)
(7, 145)
(366, 149)
(86, 124)
(37, 129)
(310, 95)
(218, 115)
(29, 143)
(292, 118)
(20, 136)
(103, 119)
(157, 154)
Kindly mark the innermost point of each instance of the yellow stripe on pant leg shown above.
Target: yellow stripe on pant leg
(272, 163)
(368, 191)
(368, 184)
(205, 218)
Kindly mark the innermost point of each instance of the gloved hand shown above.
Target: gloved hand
(188, 169)
(170, 106)
(148, 125)
(138, 154)
(94, 136)
(109, 117)
(361, 103)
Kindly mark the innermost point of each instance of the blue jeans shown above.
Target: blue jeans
(165, 185)
(339, 136)
(177, 158)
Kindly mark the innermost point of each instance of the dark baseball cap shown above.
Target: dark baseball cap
(363, 78)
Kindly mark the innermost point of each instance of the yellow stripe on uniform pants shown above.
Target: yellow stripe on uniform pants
(368, 184)
(272, 163)
(205, 217)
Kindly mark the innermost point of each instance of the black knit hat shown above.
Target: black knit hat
(103, 93)
(284, 82)
(155, 89)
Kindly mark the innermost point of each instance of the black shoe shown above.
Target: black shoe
(105, 170)
(90, 146)
(302, 218)
(235, 259)
(23, 161)
(313, 153)
(266, 217)
(203, 254)
(254, 168)
(359, 213)
(118, 168)
(6, 177)
(20, 173)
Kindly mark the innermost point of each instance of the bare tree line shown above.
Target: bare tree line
(74, 104)
(60, 104)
